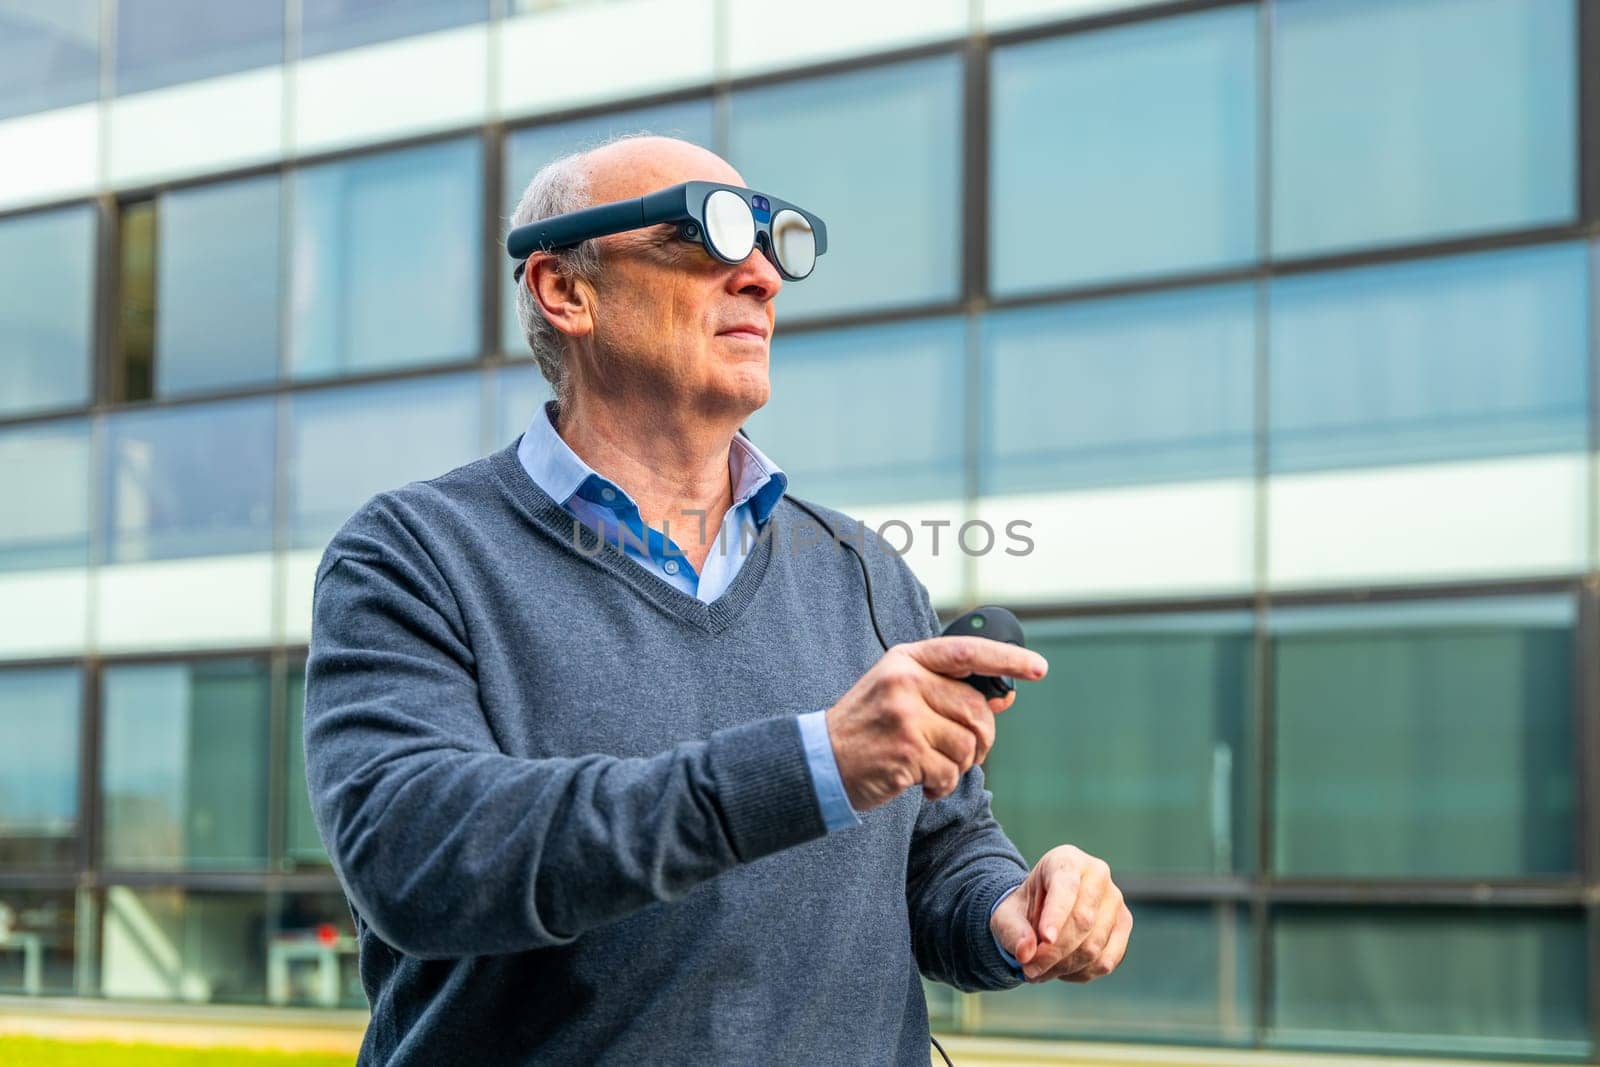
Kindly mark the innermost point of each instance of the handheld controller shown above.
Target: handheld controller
(997, 624)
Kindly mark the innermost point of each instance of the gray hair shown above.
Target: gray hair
(560, 186)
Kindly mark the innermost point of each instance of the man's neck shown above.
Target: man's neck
(674, 464)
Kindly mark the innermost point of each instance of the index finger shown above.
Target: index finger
(957, 657)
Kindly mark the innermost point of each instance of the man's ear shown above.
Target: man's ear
(567, 301)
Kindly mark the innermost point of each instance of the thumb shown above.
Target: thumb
(1012, 929)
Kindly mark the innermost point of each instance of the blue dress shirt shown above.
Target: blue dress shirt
(605, 507)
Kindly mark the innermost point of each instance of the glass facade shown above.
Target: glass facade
(1274, 320)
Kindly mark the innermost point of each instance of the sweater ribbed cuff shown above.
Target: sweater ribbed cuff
(764, 786)
(992, 971)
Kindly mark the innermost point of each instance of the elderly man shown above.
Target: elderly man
(605, 751)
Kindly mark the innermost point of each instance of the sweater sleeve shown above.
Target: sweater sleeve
(448, 846)
(961, 864)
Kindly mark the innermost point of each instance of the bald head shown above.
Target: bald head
(635, 166)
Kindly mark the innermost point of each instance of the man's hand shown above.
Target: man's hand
(910, 719)
(1066, 921)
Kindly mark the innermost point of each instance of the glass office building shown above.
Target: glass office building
(1276, 321)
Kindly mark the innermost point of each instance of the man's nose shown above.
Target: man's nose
(756, 276)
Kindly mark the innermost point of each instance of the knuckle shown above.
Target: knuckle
(1083, 918)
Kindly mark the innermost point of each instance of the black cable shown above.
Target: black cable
(865, 577)
(941, 1051)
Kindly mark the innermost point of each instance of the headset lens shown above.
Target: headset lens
(794, 242)
(730, 226)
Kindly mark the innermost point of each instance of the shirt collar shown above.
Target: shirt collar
(563, 474)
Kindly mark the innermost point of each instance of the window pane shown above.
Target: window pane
(311, 957)
(46, 309)
(387, 259)
(1470, 356)
(528, 150)
(329, 25)
(217, 295)
(169, 944)
(900, 129)
(1129, 151)
(1429, 740)
(172, 492)
(1403, 120)
(1165, 787)
(49, 54)
(519, 389)
(302, 843)
(184, 765)
(1137, 389)
(1469, 981)
(39, 712)
(164, 42)
(348, 444)
(48, 466)
(1186, 975)
(37, 950)
(847, 446)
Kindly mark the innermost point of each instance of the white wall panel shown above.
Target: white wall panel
(44, 613)
(1509, 517)
(767, 35)
(196, 128)
(49, 156)
(1151, 541)
(213, 602)
(597, 52)
(392, 90)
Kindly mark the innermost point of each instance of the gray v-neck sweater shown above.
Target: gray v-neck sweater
(570, 806)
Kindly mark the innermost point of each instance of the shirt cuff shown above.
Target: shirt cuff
(837, 814)
(1011, 961)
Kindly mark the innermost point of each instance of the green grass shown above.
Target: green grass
(37, 1052)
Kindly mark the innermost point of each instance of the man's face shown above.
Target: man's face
(669, 317)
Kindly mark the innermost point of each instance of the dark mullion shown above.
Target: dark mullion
(975, 175)
(91, 800)
(1264, 703)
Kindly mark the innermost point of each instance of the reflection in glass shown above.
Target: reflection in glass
(345, 445)
(164, 42)
(172, 944)
(1124, 152)
(1465, 980)
(38, 954)
(894, 435)
(1165, 787)
(311, 954)
(48, 466)
(1118, 392)
(1407, 120)
(39, 712)
(526, 151)
(49, 54)
(386, 260)
(1470, 356)
(46, 290)
(189, 481)
(217, 309)
(898, 127)
(1429, 740)
(184, 764)
(1187, 975)
(330, 25)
